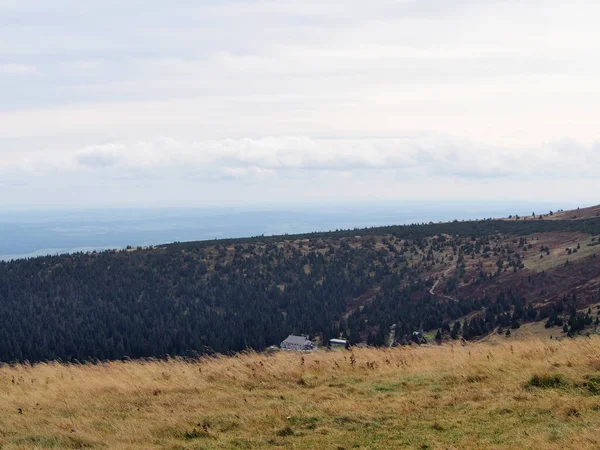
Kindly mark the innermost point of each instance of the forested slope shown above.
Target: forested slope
(223, 296)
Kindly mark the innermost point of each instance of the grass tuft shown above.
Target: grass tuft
(592, 384)
(546, 381)
(573, 412)
(285, 431)
(195, 434)
(437, 427)
(476, 378)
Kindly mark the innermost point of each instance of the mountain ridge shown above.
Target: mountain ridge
(193, 298)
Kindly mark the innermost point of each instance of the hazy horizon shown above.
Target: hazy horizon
(262, 116)
(29, 233)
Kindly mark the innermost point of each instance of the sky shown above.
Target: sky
(200, 103)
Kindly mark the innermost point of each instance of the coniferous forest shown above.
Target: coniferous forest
(189, 299)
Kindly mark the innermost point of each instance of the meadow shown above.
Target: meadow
(512, 394)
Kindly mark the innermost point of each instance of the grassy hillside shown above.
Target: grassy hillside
(509, 395)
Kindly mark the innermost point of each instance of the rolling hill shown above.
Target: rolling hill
(466, 279)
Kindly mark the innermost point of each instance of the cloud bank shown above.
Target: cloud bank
(299, 100)
(283, 156)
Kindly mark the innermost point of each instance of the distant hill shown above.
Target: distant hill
(462, 279)
(573, 214)
(579, 213)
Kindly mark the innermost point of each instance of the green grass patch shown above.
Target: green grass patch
(592, 384)
(355, 380)
(546, 381)
(353, 423)
(307, 422)
(37, 441)
(385, 387)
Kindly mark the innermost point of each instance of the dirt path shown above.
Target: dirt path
(445, 274)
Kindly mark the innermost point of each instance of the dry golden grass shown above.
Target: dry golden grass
(446, 397)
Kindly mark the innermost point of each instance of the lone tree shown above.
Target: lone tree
(455, 330)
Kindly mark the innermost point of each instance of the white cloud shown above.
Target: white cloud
(291, 156)
(278, 92)
(100, 156)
